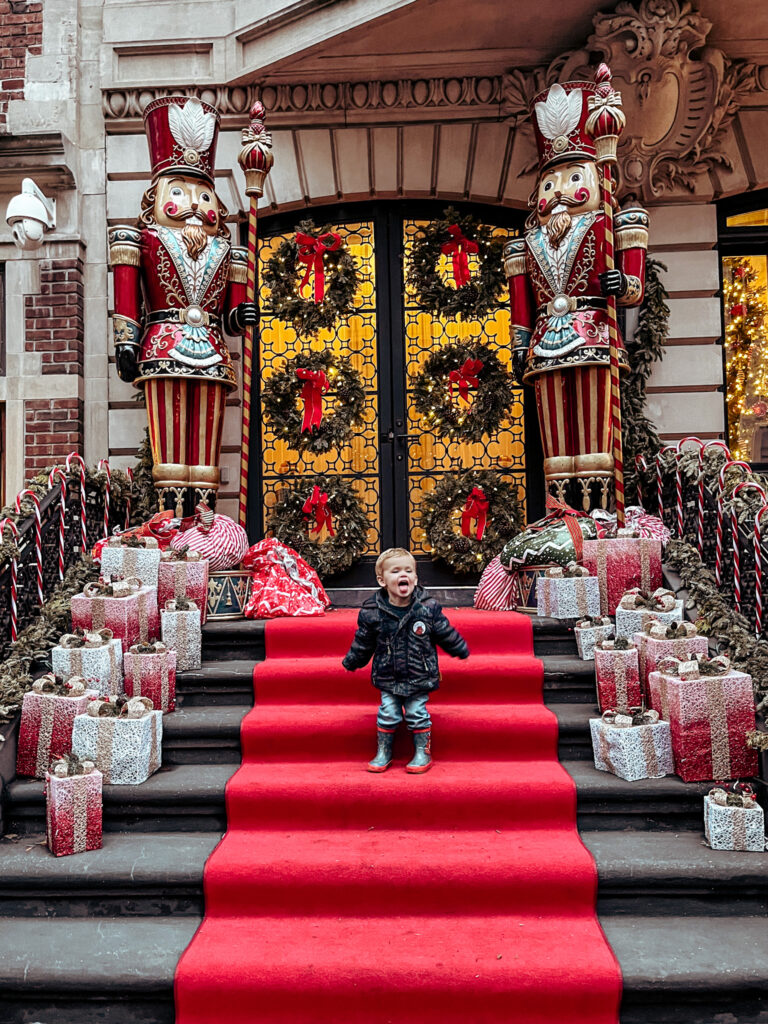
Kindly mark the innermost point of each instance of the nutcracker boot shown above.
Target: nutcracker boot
(558, 470)
(383, 758)
(422, 756)
(594, 474)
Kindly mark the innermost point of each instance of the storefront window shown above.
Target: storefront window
(745, 303)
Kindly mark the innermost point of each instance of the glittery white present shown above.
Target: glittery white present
(181, 631)
(567, 596)
(126, 750)
(588, 635)
(631, 619)
(734, 828)
(632, 752)
(125, 561)
(101, 665)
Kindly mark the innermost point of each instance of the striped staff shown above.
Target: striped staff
(605, 124)
(74, 457)
(57, 473)
(104, 464)
(256, 161)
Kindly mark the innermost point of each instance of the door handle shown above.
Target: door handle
(389, 436)
(405, 438)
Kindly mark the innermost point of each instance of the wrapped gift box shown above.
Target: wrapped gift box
(709, 716)
(567, 594)
(126, 747)
(588, 632)
(733, 823)
(132, 558)
(73, 809)
(150, 671)
(638, 610)
(617, 669)
(183, 574)
(622, 563)
(94, 656)
(47, 720)
(632, 751)
(125, 607)
(182, 633)
(654, 644)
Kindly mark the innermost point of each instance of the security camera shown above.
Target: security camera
(29, 215)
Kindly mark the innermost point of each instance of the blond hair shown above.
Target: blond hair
(385, 556)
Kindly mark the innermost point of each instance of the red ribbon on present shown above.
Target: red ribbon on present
(466, 377)
(475, 510)
(311, 252)
(317, 505)
(312, 396)
(559, 510)
(457, 247)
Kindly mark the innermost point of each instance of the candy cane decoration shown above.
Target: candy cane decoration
(720, 514)
(745, 485)
(74, 457)
(679, 491)
(128, 493)
(659, 482)
(57, 473)
(641, 466)
(758, 539)
(104, 464)
(14, 577)
(38, 536)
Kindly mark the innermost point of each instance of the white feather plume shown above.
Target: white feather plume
(560, 113)
(190, 126)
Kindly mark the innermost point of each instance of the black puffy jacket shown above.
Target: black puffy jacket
(403, 649)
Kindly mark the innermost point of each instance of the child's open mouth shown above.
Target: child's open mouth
(402, 585)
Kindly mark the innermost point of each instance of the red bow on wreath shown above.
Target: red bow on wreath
(317, 505)
(311, 252)
(559, 510)
(312, 396)
(458, 246)
(475, 510)
(466, 377)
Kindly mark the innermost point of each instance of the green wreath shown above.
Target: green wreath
(442, 514)
(446, 375)
(467, 298)
(290, 522)
(282, 392)
(292, 259)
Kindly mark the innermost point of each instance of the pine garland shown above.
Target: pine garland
(480, 294)
(35, 643)
(281, 394)
(639, 435)
(452, 417)
(717, 619)
(290, 524)
(144, 502)
(282, 276)
(441, 519)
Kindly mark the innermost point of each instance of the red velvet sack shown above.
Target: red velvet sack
(282, 584)
(160, 527)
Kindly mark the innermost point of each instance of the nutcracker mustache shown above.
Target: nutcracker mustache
(193, 235)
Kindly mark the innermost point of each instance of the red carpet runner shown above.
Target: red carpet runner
(342, 897)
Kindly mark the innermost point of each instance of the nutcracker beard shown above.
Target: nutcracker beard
(195, 240)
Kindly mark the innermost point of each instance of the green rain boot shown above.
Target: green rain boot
(422, 758)
(383, 758)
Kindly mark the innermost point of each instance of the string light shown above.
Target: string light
(746, 350)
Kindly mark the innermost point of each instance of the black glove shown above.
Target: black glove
(612, 282)
(127, 359)
(246, 314)
(519, 356)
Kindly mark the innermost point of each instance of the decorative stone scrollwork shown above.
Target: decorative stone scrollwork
(679, 94)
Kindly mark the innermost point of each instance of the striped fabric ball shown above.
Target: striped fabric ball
(223, 542)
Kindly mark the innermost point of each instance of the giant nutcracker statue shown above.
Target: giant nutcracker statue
(179, 283)
(564, 286)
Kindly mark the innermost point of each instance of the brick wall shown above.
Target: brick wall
(54, 318)
(52, 429)
(21, 32)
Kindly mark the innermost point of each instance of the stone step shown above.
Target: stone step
(552, 636)
(568, 679)
(242, 638)
(147, 875)
(203, 735)
(574, 740)
(178, 798)
(134, 874)
(675, 969)
(217, 684)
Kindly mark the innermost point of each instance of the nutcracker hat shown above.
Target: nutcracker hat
(559, 116)
(182, 132)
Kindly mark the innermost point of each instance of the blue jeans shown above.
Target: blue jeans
(414, 709)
